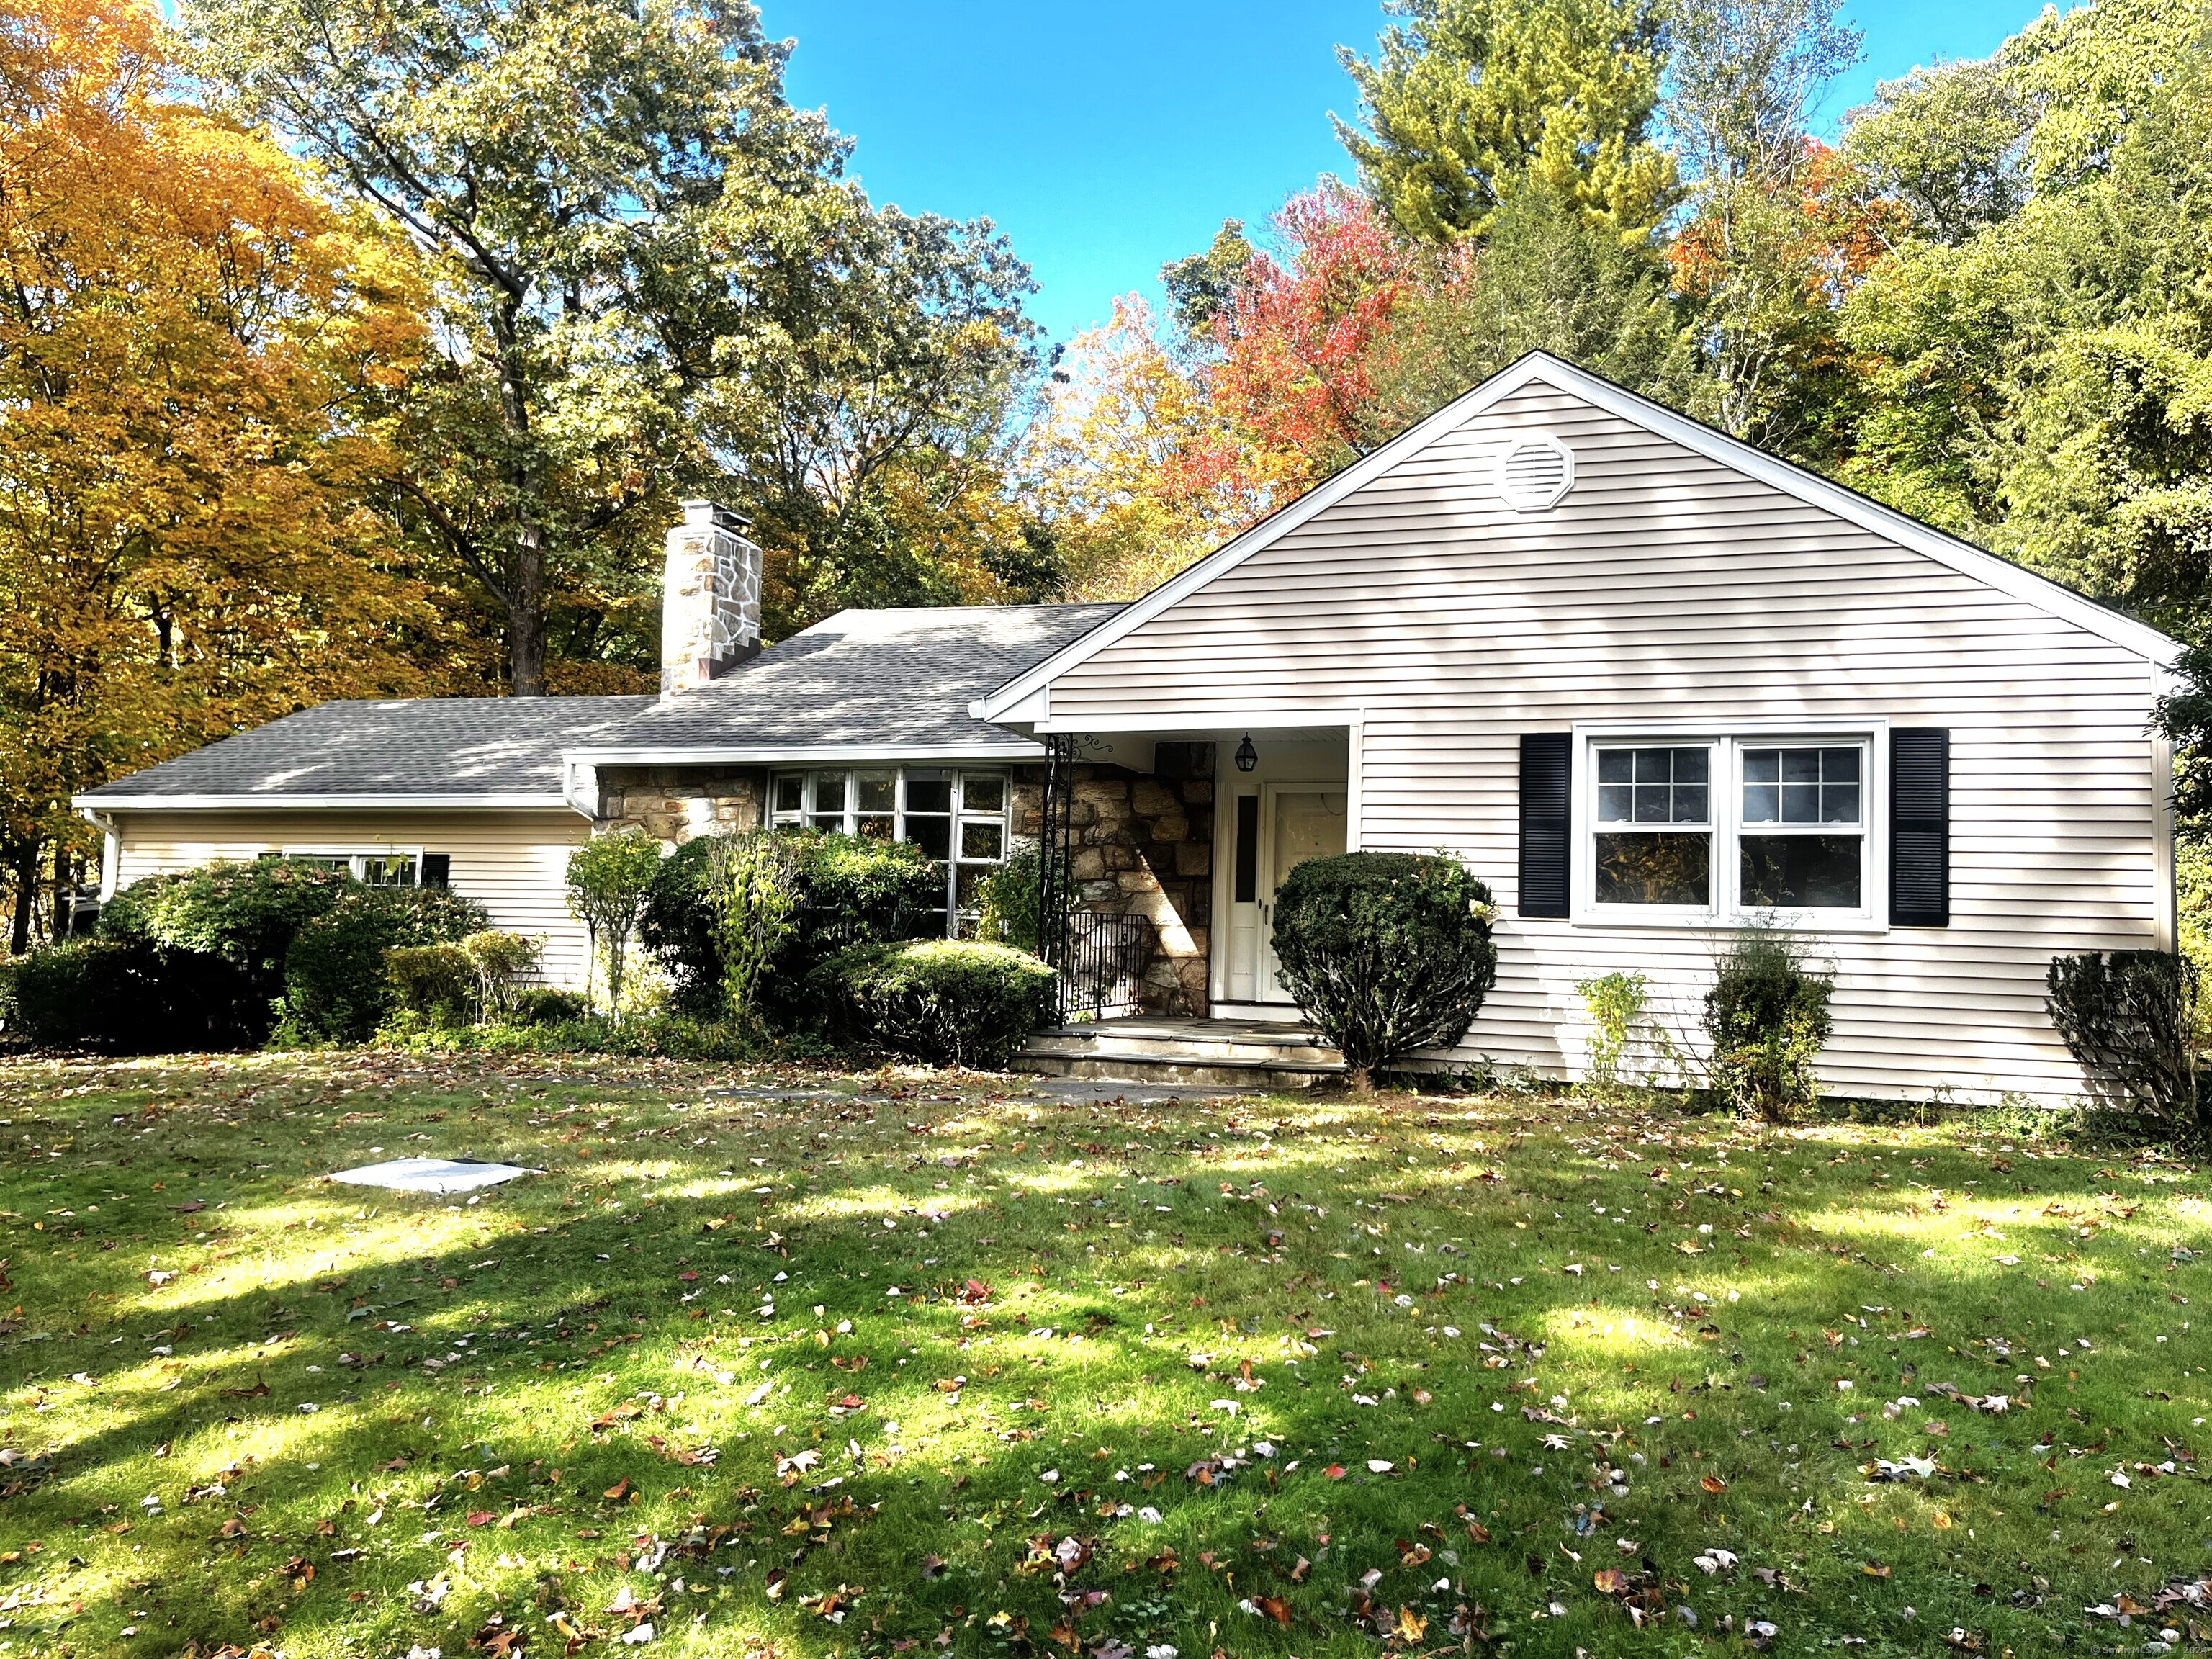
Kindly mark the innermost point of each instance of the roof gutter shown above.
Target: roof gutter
(778, 755)
(296, 803)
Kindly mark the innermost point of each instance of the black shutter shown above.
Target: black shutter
(437, 869)
(1920, 827)
(1547, 827)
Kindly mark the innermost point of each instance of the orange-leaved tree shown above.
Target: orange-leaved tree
(1134, 467)
(184, 326)
(1296, 371)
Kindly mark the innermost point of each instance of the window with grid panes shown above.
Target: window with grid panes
(956, 816)
(1757, 829)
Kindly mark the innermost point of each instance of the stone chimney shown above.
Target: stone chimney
(710, 598)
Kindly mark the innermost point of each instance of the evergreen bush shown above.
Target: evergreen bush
(83, 994)
(1387, 953)
(852, 890)
(335, 988)
(951, 1002)
(2130, 1019)
(1767, 1015)
(547, 1005)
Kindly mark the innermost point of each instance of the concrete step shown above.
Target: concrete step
(1298, 1049)
(1248, 1077)
(1203, 1054)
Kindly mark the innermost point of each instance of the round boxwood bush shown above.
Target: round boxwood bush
(1387, 953)
(952, 1002)
(245, 912)
(335, 985)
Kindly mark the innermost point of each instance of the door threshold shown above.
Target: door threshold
(1283, 1013)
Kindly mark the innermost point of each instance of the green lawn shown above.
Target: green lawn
(930, 1364)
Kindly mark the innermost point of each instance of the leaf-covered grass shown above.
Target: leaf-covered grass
(932, 1364)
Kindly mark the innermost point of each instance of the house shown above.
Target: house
(1651, 683)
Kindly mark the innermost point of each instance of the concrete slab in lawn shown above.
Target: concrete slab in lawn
(430, 1175)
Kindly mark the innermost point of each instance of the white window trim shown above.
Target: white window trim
(953, 820)
(1729, 739)
(356, 851)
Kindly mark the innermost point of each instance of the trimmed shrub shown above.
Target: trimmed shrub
(1387, 953)
(72, 995)
(852, 890)
(546, 1004)
(498, 962)
(1768, 1016)
(335, 986)
(2129, 1018)
(212, 944)
(682, 927)
(438, 982)
(245, 913)
(952, 1002)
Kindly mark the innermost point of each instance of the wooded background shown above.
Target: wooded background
(353, 350)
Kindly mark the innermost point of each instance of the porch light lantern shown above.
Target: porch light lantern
(1247, 756)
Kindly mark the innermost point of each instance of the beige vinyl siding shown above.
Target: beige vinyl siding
(1667, 587)
(509, 859)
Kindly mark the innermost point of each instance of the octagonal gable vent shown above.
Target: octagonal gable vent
(1533, 473)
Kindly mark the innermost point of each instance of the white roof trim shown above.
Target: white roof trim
(854, 753)
(1962, 556)
(292, 803)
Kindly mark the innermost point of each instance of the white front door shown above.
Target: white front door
(1297, 821)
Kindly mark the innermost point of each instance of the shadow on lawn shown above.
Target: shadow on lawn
(1599, 1351)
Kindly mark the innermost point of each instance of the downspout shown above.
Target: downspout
(111, 848)
(579, 787)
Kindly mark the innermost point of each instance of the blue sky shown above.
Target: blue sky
(1106, 139)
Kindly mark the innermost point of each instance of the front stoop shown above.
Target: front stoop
(1211, 1054)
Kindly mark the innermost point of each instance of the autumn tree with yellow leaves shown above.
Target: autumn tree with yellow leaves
(185, 328)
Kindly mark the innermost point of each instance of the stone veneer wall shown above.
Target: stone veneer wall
(675, 803)
(1142, 844)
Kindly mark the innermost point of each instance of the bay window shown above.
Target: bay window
(1723, 829)
(957, 818)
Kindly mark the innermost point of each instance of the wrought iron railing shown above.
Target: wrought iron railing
(1102, 965)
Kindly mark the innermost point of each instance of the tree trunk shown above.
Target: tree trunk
(525, 585)
(27, 891)
(525, 615)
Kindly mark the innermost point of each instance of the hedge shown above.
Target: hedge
(952, 1002)
(336, 986)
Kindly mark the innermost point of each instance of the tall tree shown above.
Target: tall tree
(592, 178)
(1468, 101)
(1296, 374)
(188, 340)
(1743, 82)
(857, 400)
(1131, 466)
(1543, 280)
(2045, 386)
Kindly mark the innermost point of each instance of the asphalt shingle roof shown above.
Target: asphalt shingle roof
(866, 678)
(419, 746)
(887, 678)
